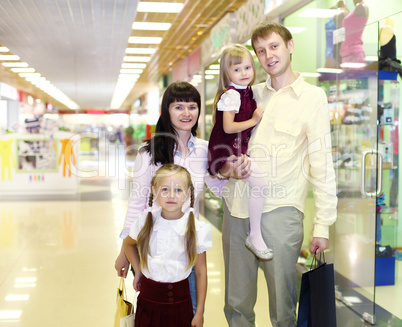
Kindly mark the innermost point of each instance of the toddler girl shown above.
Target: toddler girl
(235, 116)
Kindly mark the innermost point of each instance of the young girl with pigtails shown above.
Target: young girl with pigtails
(163, 247)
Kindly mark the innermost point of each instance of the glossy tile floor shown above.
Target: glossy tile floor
(57, 262)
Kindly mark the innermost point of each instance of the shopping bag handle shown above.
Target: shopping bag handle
(122, 288)
(315, 262)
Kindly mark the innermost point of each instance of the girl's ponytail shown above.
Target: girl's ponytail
(145, 234)
(190, 237)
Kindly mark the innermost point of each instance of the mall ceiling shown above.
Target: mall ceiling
(79, 45)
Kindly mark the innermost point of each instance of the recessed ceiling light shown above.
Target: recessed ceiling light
(29, 74)
(4, 49)
(144, 39)
(129, 71)
(128, 77)
(35, 79)
(9, 57)
(162, 7)
(136, 59)
(23, 70)
(151, 26)
(131, 65)
(141, 50)
(15, 64)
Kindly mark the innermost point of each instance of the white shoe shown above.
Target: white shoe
(266, 254)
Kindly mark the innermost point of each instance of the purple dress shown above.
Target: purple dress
(222, 145)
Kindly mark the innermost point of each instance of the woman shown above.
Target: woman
(174, 142)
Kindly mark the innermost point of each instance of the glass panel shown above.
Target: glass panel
(356, 160)
(351, 83)
(389, 95)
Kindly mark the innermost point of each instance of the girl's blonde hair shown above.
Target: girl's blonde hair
(144, 235)
(232, 55)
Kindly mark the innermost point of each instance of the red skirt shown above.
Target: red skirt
(163, 304)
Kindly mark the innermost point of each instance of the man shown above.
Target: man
(293, 148)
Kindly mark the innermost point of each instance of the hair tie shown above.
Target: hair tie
(191, 209)
(149, 209)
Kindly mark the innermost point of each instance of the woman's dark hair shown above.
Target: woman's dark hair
(161, 146)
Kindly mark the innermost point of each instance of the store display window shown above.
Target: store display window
(37, 155)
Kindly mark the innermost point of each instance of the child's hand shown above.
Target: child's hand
(198, 320)
(257, 115)
(137, 281)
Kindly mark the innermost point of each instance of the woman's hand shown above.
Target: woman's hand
(121, 264)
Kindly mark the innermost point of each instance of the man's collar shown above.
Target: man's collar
(296, 86)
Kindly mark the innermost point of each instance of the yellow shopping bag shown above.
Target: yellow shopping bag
(123, 307)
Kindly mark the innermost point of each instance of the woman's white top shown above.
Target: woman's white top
(167, 259)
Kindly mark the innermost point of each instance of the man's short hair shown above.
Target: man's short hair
(264, 30)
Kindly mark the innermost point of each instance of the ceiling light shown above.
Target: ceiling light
(136, 59)
(141, 50)
(145, 39)
(320, 13)
(34, 79)
(131, 65)
(151, 26)
(4, 49)
(215, 66)
(209, 76)
(121, 91)
(9, 57)
(23, 70)
(29, 74)
(129, 71)
(162, 7)
(15, 64)
(128, 77)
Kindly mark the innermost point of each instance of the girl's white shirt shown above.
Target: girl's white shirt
(167, 259)
(230, 100)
